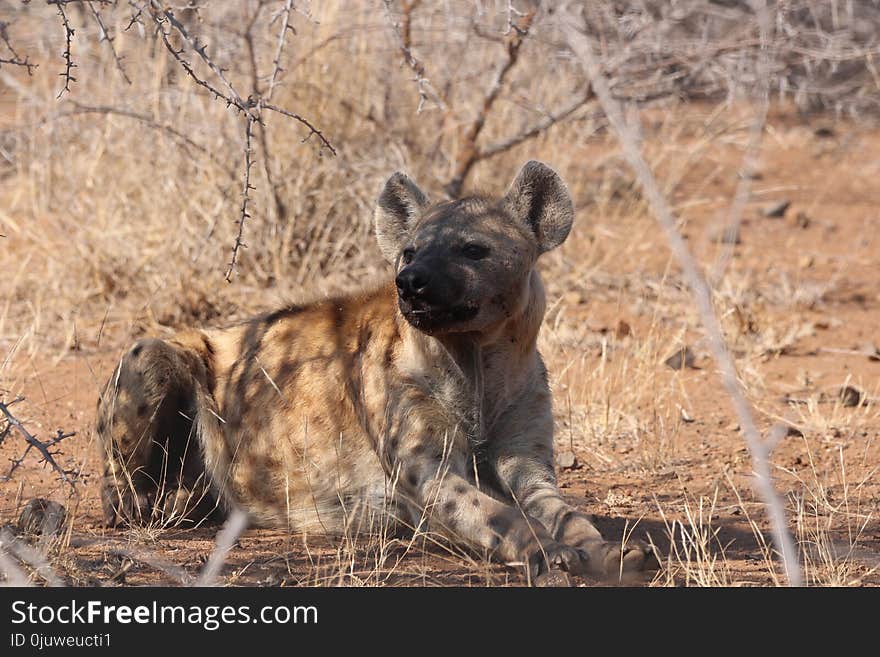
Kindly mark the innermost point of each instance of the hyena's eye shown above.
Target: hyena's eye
(407, 256)
(475, 251)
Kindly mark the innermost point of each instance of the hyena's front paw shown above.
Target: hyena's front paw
(599, 558)
(123, 506)
(613, 561)
(553, 556)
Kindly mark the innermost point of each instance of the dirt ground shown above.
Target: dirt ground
(657, 451)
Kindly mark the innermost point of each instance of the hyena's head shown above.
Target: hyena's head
(465, 265)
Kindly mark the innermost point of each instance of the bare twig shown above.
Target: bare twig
(469, 153)
(68, 40)
(404, 39)
(278, 206)
(161, 17)
(227, 537)
(551, 119)
(105, 36)
(756, 133)
(312, 129)
(252, 107)
(16, 59)
(583, 46)
(245, 197)
(282, 36)
(162, 14)
(44, 448)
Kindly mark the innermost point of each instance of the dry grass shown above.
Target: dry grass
(119, 206)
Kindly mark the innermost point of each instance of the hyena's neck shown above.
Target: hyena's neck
(493, 367)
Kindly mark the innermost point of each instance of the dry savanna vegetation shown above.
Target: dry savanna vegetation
(168, 164)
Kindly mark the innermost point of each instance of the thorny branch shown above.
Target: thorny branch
(252, 107)
(245, 197)
(16, 59)
(160, 15)
(584, 48)
(278, 205)
(282, 36)
(404, 39)
(47, 456)
(312, 129)
(163, 16)
(68, 39)
(105, 36)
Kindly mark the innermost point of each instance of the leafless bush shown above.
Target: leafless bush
(823, 56)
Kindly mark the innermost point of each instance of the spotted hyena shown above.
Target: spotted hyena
(424, 400)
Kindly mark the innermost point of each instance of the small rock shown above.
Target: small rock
(554, 578)
(623, 329)
(777, 209)
(802, 220)
(727, 235)
(566, 460)
(791, 430)
(681, 359)
(41, 517)
(871, 351)
(824, 132)
(685, 416)
(850, 396)
(733, 426)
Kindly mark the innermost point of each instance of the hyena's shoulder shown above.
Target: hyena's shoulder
(321, 349)
(331, 325)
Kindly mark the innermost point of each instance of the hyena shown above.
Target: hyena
(424, 400)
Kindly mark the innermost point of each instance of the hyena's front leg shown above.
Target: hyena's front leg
(145, 426)
(438, 485)
(522, 459)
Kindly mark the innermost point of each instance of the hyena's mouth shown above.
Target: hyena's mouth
(432, 318)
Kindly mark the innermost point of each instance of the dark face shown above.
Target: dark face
(465, 267)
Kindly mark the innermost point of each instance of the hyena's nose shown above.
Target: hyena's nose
(412, 281)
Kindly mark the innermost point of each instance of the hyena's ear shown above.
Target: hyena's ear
(540, 199)
(399, 205)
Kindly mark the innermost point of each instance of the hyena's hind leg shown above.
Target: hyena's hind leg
(146, 427)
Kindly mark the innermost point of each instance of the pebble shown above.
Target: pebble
(778, 209)
(566, 460)
(681, 359)
(850, 396)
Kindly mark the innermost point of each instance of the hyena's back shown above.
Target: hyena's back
(289, 407)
